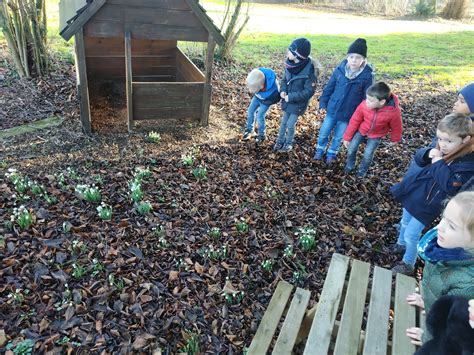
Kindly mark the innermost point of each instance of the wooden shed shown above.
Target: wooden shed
(135, 43)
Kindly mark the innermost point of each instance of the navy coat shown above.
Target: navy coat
(422, 193)
(300, 88)
(341, 96)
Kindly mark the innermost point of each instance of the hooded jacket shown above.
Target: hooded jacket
(422, 192)
(270, 94)
(300, 88)
(376, 123)
(341, 96)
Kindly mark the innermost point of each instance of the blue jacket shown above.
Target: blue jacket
(300, 88)
(422, 193)
(341, 96)
(270, 95)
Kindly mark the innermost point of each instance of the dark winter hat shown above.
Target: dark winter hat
(300, 48)
(359, 46)
(468, 93)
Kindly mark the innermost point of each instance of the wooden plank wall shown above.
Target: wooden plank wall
(151, 60)
(147, 19)
(186, 71)
(167, 100)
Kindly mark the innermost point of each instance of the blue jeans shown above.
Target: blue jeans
(331, 124)
(256, 110)
(287, 129)
(371, 147)
(410, 231)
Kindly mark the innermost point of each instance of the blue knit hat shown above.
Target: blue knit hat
(300, 48)
(468, 93)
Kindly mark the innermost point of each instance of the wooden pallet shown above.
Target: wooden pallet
(350, 294)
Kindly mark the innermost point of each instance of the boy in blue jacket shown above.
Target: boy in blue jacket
(344, 91)
(262, 84)
(446, 169)
(297, 87)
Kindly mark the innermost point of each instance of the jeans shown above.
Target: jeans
(410, 231)
(287, 129)
(371, 147)
(331, 124)
(256, 110)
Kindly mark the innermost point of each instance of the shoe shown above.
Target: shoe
(286, 148)
(397, 249)
(330, 158)
(404, 269)
(319, 154)
(247, 135)
(260, 139)
(361, 175)
(277, 147)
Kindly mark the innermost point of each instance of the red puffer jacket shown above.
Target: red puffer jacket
(376, 123)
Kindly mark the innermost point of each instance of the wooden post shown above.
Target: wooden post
(206, 101)
(82, 86)
(128, 67)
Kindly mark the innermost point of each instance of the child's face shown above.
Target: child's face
(253, 89)
(449, 142)
(460, 106)
(374, 103)
(452, 232)
(355, 61)
(291, 56)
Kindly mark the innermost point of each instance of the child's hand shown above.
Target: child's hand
(471, 313)
(346, 143)
(287, 98)
(434, 153)
(415, 334)
(416, 300)
(282, 94)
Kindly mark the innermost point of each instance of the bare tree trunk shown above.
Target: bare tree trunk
(456, 9)
(23, 23)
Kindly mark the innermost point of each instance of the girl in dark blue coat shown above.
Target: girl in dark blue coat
(298, 85)
(341, 96)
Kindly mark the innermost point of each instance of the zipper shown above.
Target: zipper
(373, 123)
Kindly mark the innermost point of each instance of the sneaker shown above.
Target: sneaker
(247, 135)
(319, 154)
(286, 148)
(397, 249)
(277, 147)
(260, 139)
(330, 158)
(361, 175)
(404, 269)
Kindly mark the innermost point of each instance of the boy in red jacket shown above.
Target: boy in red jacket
(376, 116)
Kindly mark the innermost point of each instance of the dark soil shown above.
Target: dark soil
(157, 285)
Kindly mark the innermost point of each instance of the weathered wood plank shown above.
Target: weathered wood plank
(289, 331)
(162, 113)
(144, 31)
(140, 71)
(153, 16)
(270, 320)
(163, 4)
(206, 100)
(379, 310)
(168, 90)
(67, 10)
(129, 76)
(405, 316)
(137, 62)
(319, 336)
(83, 18)
(82, 84)
(206, 21)
(186, 71)
(150, 102)
(110, 46)
(348, 336)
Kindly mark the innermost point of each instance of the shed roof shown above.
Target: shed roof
(74, 14)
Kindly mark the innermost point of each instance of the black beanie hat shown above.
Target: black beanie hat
(300, 48)
(359, 46)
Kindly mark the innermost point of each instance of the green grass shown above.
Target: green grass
(445, 57)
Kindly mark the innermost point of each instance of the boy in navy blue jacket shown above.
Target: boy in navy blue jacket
(297, 87)
(446, 169)
(262, 84)
(344, 91)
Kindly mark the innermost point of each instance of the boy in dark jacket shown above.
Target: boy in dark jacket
(374, 118)
(262, 84)
(446, 169)
(297, 87)
(343, 93)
